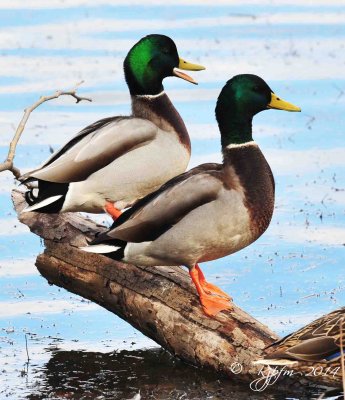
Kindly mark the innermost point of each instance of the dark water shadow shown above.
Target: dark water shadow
(155, 373)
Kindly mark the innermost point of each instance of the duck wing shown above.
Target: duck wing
(316, 349)
(93, 148)
(156, 213)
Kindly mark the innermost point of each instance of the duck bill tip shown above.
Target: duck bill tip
(186, 65)
(277, 103)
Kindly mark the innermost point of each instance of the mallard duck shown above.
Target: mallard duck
(317, 343)
(210, 211)
(116, 161)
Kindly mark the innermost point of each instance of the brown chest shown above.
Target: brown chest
(257, 183)
(160, 110)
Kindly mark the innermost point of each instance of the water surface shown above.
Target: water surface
(291, 275)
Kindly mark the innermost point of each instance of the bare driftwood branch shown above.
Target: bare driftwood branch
(8, 164)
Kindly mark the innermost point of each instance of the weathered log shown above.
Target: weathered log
(158, 301)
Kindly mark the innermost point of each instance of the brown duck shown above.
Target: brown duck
(318, 342)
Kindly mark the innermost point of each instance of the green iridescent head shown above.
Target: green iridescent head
(241, 98)
(152, 59)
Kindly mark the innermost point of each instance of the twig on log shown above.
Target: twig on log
(8, 164)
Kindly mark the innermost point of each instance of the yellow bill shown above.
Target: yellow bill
(189, 67)
(279, 104)
(183, 64)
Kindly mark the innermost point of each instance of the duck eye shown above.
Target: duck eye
(165, 51)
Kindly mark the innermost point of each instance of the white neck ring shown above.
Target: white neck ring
(150, 96)
(238, 145)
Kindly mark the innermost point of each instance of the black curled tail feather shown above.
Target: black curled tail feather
(45, 190)
(30, 198)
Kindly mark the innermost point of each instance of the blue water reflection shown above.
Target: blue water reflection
(291, 275)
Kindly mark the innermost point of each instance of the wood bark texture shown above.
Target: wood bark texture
(158, 301)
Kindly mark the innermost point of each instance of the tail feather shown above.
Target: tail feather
(50, 197)
(100, 248)
(275, 362)
(30, 197)
(44, 203)
(112, 248)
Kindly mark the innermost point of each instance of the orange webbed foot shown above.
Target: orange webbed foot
(209, 287)
(212, 299)
(212, 305)
(112, 210)
(215, 290)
